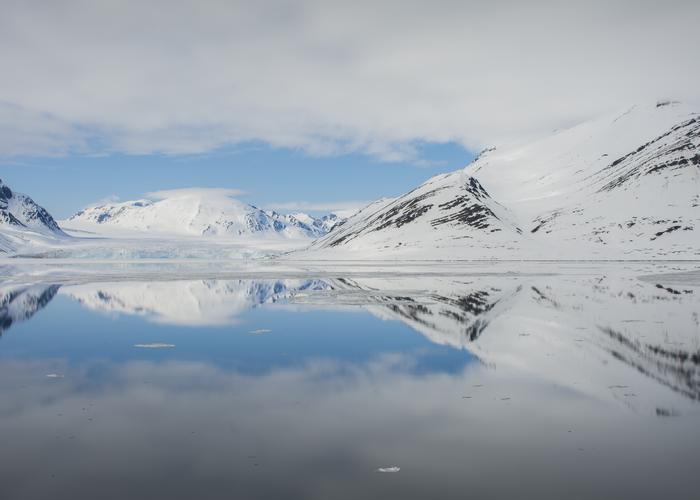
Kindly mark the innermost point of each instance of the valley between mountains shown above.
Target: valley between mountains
(624, 186)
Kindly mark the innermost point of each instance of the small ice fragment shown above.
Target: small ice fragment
(155, 345)
(393, 468)
(259, 331)
(54, 375)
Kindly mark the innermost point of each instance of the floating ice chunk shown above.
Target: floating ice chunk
(259, 331)
(393, 468)
(155, 345)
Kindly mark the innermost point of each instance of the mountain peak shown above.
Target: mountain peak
(624, 185)
(24, 216)
(5, 191)
(191, 212)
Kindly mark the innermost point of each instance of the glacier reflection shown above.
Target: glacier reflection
(190, 303)
(576, 374)
(572, 330)
(565, 328)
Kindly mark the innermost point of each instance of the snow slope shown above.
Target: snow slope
(625, 186)
(192, 213)
(183, 224)
(322, 225)
(23, 223)
(448, 213)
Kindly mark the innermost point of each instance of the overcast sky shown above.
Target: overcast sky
(372, 80)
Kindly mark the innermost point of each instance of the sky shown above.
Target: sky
(271, 178)
(311, 102)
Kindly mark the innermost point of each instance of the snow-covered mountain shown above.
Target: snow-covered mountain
(20, 211)
(623, 186)
(322, 225)
(194, 212)
(450, 211)
(24, 222)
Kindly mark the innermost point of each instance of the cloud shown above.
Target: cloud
(24, 131)
(341, 208)
(194, 192)
(328, 77)
(112, 198)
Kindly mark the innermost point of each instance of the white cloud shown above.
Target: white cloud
(340, 208)
(194, 192)
(328, 76)
(112, 198)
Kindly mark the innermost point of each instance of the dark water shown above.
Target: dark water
(485, 386)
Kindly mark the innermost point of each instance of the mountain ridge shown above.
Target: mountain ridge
(624, 186)
(19, 210)
(24, 223)
(197, 213)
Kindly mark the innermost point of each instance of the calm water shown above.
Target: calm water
(576, 384)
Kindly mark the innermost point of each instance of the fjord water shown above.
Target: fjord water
(554, 383)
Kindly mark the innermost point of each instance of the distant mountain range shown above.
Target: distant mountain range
(625, 186)
(197, 212)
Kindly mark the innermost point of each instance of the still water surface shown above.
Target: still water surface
(503, 385)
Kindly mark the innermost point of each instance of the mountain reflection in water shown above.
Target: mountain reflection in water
(575, 374)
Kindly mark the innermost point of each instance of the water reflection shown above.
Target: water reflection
(192, 303)
(545, 323)
(560, 327)
(19, 303)
(576, 375)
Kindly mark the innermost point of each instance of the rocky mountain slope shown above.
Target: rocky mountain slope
(20, 211)
(448, 212)
(24, 222)
(625, 186)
